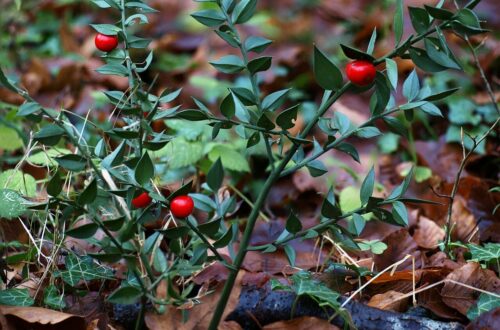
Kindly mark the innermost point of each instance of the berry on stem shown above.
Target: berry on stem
(361, 73)
(142, 201)
(106, 43)
(182, 206)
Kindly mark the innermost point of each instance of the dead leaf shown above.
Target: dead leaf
(427, 234)
(471, 274)
(400, 244)
(301, 323)
(389, 301)
(38, 315)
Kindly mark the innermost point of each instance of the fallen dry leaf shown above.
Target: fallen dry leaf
(301, 323)
(34, 315)
(471, 274)
(427, 234)
(389, 301)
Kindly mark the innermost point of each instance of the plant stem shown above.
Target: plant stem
(252, 219)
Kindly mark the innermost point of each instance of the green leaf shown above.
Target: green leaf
(243, 11)
(371, 44)
(400, 213)
(293, 224)
(485, 303)
(356, 224)
(181, 153)
(392, 72)
(231, 159)
(9, 139)
(368, 132)
(422, 173)
(52, 298)
(18, 181)
(419, 19)
(12, 205)
(209, 17)
(423, 61)
(316, 168)
(431, 109)
(55, 185)
(265, 122)
(141, 6)
(286, 119)
(229, 64)
(257, 44)
(16, 297)
(349, 149)
(275, 100)
(113, 69)
(83, 268)
(411, 86)
(145, 170)
(71, 162)
(398, 22)
(341, 122)
(439, 13)
(327, 74)
(89, 194)
(215, 175)
(290, 254)
(329, 208)
(28, 108)
(83, 232)
(367, 186)
(356, 54)
(192, 115)
(6, 82)
(438, 54)
(487, 252)
(441, 95)
(107, 29)
(400, 190)
(125, 295)
(259, 64)
(49, 134)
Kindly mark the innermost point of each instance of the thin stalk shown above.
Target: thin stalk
(252, 219)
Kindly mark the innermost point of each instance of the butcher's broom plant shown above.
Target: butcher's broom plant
(107, 185)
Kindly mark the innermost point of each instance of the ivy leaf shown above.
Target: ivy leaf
(327, 74)
(83, 268)
(16, 297)
(18, 181)
(12, 205)
(485, 303)
(9, 139)
(487, 252)
(231, 159)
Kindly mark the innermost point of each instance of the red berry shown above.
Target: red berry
(106, 43)
(182, 206)
(360, 72)
(142, 200)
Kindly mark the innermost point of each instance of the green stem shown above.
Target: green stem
(252, 219)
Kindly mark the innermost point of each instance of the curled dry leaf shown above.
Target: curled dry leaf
(32, 315)
(471, 274)
(389, 301)
(463, 222)
(301, 323)
(427, 234)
